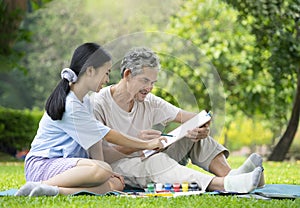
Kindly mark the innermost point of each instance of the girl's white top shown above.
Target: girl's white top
(70, 137)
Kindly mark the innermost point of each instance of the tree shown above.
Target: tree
(256, 53)
(56, 30)
(229, 47)
(276, 26)
(12, 13)
(12, 72)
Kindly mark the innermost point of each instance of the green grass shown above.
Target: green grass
(12, 176)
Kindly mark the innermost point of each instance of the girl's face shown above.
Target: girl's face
(101, 76)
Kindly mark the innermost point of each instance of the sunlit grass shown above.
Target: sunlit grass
(12, 176)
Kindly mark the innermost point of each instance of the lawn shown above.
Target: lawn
(11, 176)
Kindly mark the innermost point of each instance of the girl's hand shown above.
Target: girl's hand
(149, 134)
(156, 144)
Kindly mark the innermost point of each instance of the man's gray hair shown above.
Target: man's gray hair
(137, 58)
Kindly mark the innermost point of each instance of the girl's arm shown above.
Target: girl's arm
(117, 138)
(184, 116)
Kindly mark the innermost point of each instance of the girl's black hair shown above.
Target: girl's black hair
(88, 54)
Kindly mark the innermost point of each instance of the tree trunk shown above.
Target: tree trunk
(282, 147)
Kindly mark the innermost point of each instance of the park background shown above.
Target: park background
(252, 45)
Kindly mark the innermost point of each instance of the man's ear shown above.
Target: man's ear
(126, 73)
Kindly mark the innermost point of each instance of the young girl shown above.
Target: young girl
(58, 161)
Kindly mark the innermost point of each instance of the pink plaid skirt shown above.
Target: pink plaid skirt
(41, 169)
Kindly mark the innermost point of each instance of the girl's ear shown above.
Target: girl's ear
(90, 70)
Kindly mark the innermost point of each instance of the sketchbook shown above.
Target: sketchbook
(199, 120)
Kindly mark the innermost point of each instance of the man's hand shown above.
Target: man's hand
(149, 134)
(199, 133)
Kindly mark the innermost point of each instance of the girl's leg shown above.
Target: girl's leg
(114, 183)
(90, 175)
(87, 173)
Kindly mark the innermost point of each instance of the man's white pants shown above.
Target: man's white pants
(163, 167)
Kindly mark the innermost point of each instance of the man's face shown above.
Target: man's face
(142, 84)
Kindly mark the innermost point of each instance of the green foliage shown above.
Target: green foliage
(12, 93)
(9, 32)
(243, 131)
(183, 84)
(56, 31)
(127, 17)
(12, 176)
(275, 25)
(220, 43)
(59, 27)
(254, 49)
(12, 71)
(222, 39)
(34, 5)
(4, 157)
(213, 28)
(17, 129)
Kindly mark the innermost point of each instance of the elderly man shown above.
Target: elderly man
(131, 108)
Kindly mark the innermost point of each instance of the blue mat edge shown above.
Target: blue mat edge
(269, 190)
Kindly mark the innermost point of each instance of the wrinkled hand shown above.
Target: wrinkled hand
(149, 134)
(199, 133)
(156, 144)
